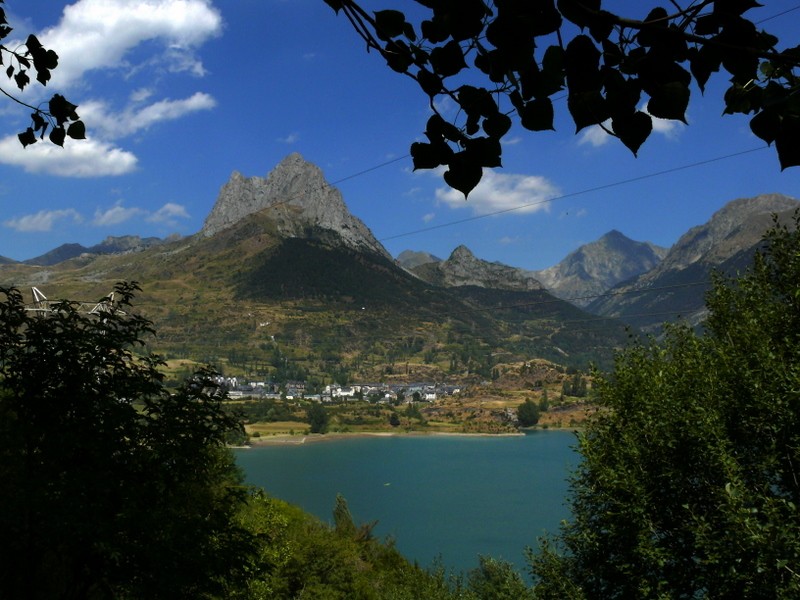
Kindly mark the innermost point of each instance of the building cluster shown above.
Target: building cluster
(374, 392)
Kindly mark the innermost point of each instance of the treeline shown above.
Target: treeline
(115, 486)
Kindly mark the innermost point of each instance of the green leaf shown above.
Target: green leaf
(633, 129)
(538, 115)
(448, 60)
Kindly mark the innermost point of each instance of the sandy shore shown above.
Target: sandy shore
(333, 437)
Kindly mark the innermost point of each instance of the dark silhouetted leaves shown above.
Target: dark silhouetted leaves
(537, 115)
(632, 129)
(497, 125)
(431, 84)
(57, 136)
(77, 130)
(786, 142)
(389, 24)
(464, 173)
(448, 60)
(607, 69)
(27, 137)
(669, 102)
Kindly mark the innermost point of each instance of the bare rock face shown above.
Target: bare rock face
(297, 199)
(595, 267)
(464, 268)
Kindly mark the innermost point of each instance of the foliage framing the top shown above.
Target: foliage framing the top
(520, 49)
(59, 117)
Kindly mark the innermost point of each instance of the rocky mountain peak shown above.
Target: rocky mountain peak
(599, 265)
(297, 198)
(737, 225)
(463, 268)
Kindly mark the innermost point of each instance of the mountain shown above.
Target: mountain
(408, 259)
(298, 201)
(282, 279)
(595, 267)
(462, 268)
(725, 243)
(110, 245)
(6, 261)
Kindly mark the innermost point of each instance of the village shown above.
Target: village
(381, 393)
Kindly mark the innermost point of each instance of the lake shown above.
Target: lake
(448, 497)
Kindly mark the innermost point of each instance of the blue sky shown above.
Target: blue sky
(178, 94)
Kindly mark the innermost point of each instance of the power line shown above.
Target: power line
(598, 188)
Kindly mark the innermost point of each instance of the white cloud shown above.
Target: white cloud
(102, 35)
(427, 218)
(596, 136)
(98, 34)
(78, 158)
(44, 220)
(290, 139)
(115, 215)
(508, 240)
(168, 213)
(501, 192)
(134, 118)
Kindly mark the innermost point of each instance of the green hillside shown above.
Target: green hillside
(251, 301)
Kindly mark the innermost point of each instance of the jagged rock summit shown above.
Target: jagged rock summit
(298, 200)
(463, 268)
(595, 267)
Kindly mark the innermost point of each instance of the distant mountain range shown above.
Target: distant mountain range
(638, 282)
(282, 276)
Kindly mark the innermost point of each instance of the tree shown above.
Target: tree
(318, 418)
(113, 486)
(502, 62)
(497, 580)
(528, 413)
(59, 117)
(688, 485)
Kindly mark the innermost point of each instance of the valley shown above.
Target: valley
(283, 284)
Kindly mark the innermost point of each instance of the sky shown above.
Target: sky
(178, 94)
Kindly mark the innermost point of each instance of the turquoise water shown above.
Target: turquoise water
(452, 497)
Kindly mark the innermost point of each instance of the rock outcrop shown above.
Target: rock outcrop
(463, 268)
(595, 267)
(297, 199)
